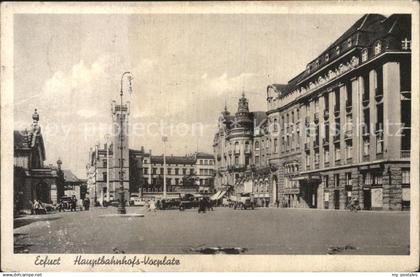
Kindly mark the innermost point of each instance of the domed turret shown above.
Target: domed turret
(243, 116)
(35, 115)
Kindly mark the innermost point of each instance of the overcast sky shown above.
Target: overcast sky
(185, 67)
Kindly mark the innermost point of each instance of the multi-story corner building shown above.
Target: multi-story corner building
(345, 121)
(242, 147)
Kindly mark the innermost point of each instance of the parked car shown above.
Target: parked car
(244, 201)
(188, 201)
(133, 196)
(65, 202)
(139, 202)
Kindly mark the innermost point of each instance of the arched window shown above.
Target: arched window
(275, 126)
(236, 147)
(257, 145)
(275, 146)
(364, 55)
(247, 146)
(378, 47)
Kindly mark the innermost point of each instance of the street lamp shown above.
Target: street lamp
(164, 139)
(121, 206)
(107, 138)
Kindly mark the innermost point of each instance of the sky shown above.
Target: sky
(185, 68)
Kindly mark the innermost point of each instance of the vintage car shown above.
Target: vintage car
(65, 202)
(189, 201)
(244, 201)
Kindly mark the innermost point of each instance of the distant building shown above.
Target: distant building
(32, 180)
(189, 173)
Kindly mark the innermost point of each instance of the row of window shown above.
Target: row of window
(369, 179)
(169, 171)
(206, 162)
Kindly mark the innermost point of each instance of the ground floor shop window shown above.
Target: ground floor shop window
(326, 199)
(405, 203)
(377, 198)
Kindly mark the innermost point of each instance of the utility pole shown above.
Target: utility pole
(121, 206)
(107, 136)
(164, 139)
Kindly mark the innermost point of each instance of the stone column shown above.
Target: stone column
(392, 110)
(343, 97)
(321, 131)
(357, 91)
(373, 116)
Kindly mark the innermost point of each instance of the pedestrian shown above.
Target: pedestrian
(152, 206)
(86, 204)
(36, 206)
(210, 205)
(202, 205)
(73, 203)
(277, 203)
(31, 204)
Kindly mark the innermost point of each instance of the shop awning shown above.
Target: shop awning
(215, 196)
(307, 178)
(221, 195)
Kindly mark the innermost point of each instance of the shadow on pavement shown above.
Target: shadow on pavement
(22, 221)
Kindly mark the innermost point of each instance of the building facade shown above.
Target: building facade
(194, 172)
(32, 179)
(242, 147)
(345, 121)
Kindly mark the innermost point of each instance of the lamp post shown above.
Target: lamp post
(121, 206)
(164, 139)
(107, 137)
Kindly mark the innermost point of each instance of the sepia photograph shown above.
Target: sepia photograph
(209, 133)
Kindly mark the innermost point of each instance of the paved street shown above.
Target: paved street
(262, 231)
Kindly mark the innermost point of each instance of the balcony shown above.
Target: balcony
(316, 117)
(348, 107)
(365, 99)
(365, 131)
(336, 138)
(378, 94)
(348, 134)
(307, 147)
(326, 114)
(325, 141)
(336, 110)
(405, 153)
(379, 127)
(316, 143)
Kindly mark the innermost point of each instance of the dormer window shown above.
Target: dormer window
(349, 42)
(406, 44)
(364, 55)
(316, 63)
(337, 50)
(327, 57)
(378, 47)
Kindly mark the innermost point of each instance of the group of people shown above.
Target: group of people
(37, 207)
(204, 205)
(72, 204)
